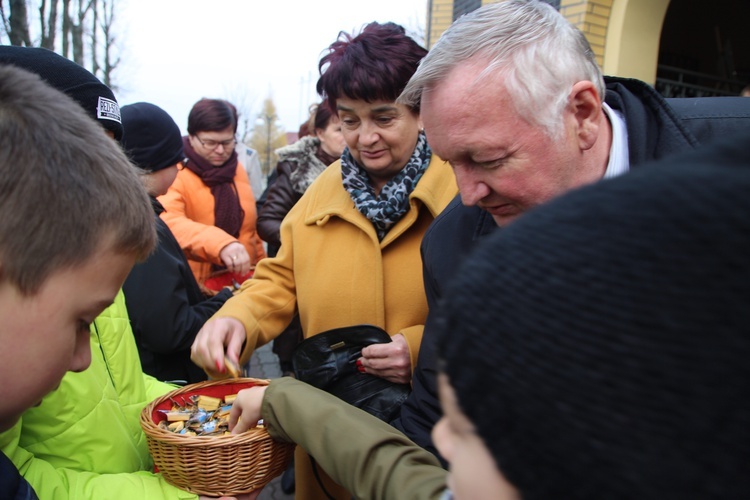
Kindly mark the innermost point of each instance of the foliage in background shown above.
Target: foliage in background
(267, 136)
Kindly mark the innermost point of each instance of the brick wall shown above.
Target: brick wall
(591, 17)
(441, 16)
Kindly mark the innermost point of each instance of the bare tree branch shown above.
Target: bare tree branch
(77, 31)
(6, 24)
(94, 34)
(66, 28)
(84, 25)
(18, 21)
(110, 62)
(48, 23)
(238, 95)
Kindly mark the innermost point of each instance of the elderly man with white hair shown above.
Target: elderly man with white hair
(511, 95)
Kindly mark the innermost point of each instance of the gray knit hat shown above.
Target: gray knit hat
(63, 74)
(601, 343)
(152, 139)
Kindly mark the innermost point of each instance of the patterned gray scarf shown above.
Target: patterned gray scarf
(392, 203)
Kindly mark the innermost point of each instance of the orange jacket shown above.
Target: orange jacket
(189, 213)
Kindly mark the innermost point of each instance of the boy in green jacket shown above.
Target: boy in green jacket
(84, 439)
(69, 233)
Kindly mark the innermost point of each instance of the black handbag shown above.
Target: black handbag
(328, 361)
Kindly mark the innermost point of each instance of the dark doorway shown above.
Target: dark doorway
(704, 48)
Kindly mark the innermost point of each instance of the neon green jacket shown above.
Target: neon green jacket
(84, 440)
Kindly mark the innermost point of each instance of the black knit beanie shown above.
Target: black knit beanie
(74, 80)
(152, 139)
(601, 343)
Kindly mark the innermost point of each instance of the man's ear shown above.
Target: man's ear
(586, 107)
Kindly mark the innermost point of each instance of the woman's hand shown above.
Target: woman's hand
(214, 338)
(390, 361)
(235, 258)
(245, 411)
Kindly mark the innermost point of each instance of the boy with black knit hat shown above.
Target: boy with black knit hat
(603, 354)
(165, 304)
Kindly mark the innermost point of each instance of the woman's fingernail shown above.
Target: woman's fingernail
(359, 362)
(361, 369)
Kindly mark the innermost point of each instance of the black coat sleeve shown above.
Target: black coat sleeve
(165, 304)
(448, 239)
(280, 198)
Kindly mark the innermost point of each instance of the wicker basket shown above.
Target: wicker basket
(225, 465)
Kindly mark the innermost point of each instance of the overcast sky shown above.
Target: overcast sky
(175, 52)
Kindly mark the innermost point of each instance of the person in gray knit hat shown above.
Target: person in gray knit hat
(165, 304)
(603, 353)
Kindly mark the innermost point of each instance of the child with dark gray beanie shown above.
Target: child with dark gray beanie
(600, 345)
(596, 348)
(165, 304)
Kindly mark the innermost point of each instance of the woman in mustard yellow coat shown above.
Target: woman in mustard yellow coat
(350, 246)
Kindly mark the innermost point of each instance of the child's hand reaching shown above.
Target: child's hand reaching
(246, 406)
(246, 409)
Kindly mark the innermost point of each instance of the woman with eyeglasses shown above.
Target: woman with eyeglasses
(210, 207)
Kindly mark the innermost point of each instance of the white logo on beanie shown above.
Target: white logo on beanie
(107, 109)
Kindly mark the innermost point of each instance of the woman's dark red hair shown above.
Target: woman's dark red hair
(372, 66)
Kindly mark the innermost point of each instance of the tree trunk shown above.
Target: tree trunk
(66, 28)
(94, 36)
(76, 41)
(85, 25)
(49, 28)
(77, 31)
(110, 64)
(18, 21)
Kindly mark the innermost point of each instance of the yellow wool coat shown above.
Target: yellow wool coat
(189, 213)
(332, 269)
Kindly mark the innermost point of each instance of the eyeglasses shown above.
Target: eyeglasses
(211, 144)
